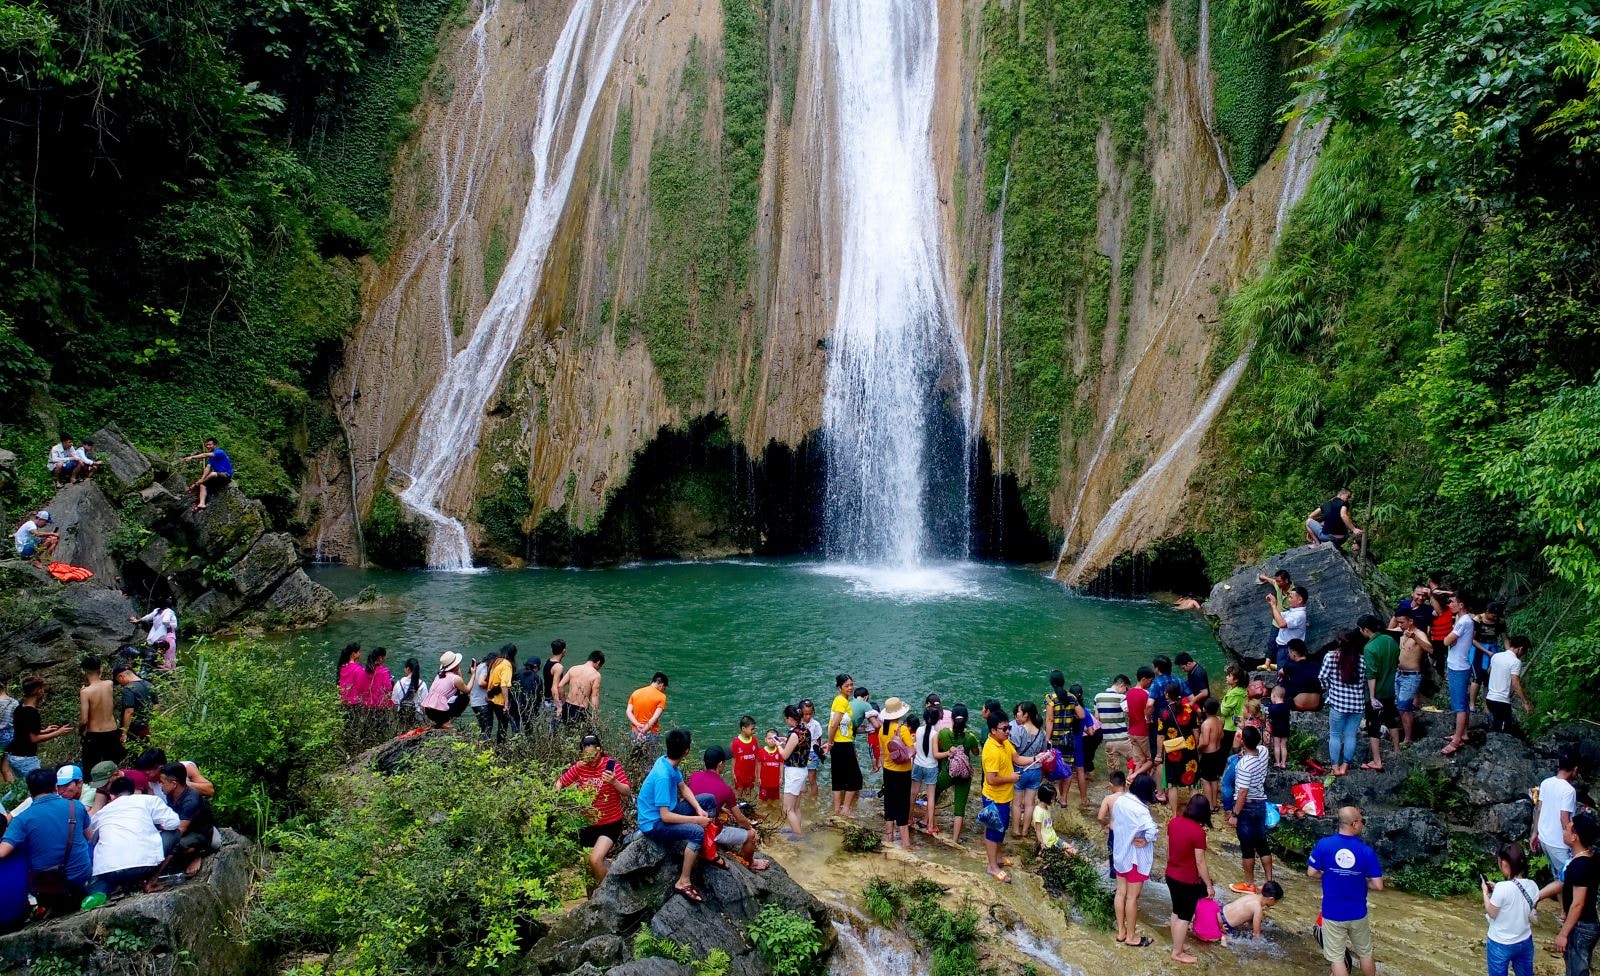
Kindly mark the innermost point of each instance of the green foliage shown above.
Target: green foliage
(502, 512)
(716, 963)
(1072, 876)
(123, 941)
(443, 864)
(1433, 790)
(647, 945)
(1464, 863)
(862, 840)
(263, 737)
(1292, 841)
(951, 937)
(52, 964)
(1049, 82)
(494, 257)
(1250, 87)
(787, 941)
(395, 538)
(882, 899)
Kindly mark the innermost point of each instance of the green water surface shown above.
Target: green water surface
(748, 636)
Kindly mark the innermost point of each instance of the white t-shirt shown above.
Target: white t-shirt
(1556, 796)
(1460, 656)
(924, 756)
(128, 832)
(58, 456)
(80, 455)
(1502, 667)
(1294, 620)
(162, 623)
(1514, 924)
(816, 730)
(26, 534)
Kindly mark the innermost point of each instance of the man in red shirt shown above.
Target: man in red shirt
(743, 749)
(734, 829)
(603, 775)
(771, 762)
(1140, 730)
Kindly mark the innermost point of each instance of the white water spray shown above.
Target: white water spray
(452, 416)
(895, 333)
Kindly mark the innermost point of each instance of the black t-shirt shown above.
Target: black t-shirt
(1198, 680)
(25, 723)
(1300, 677)
(1333, 517)
(138, 695)
(196, 809)
(1580, 874)
(1278, 717)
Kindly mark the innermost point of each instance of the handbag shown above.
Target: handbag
(989, 816)
(960, 762)
(52, 882)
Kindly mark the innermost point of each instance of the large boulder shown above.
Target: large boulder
(1401, 838)
(191, 929)
(1338, 599)
(96, 618)
(260, 570)
(299, 601)
(88, 523)
(638, 891)
(126, 466)
(1502, 771)
(228, 526)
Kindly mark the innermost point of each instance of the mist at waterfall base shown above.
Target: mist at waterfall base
(748, 636)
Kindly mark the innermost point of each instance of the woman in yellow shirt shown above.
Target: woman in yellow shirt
(899, 748)
(842, 749)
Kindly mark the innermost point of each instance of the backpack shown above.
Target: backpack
(899, 752)
(960, 762)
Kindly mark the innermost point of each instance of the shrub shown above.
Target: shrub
(862, 840)
(788, 942)
(1463, 864)
(1073, 876)
(263, 736)
(394, 537)
(442, 866)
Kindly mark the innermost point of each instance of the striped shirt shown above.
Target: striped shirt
(1250, 780)
(1351, 698)
(1111, 708)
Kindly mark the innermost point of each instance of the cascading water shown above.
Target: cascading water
(993, 312)
(895, 334)
(452, 416)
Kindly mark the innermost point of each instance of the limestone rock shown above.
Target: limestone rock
(1502, 771)
(209, 610)
(300, 600)
(87, 523)
(1401, 838)
(229, 525)
(128, 468)
(192, 929)
(649, 967)
(1508, 821)
(1338, 598)
(8, 466)
(261, 569)
(95, 617)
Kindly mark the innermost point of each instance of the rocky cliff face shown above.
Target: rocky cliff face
(694, 269)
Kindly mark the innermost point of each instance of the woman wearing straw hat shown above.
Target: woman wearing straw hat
(899, 750)
(447, 696)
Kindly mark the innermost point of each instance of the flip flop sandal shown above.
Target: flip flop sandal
(690, 892)
(1003, 876)
(1144, 942)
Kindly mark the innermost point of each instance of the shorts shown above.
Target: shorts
(1004, 809)
(27, 549)
(1212, 766)
(593, 832)
(1140, 744)
(1185, 896)
(574, 714)
(813, 762)
(217, 482)
(744, 779)
(794, 779)
(846, 769)
(1406, 686)
(924, 774)
(1133, 876)
(1355, 936)
(101, 746)
(1321, 535)
(731, 838)
(1460, 690)
(1480, 663)
(1252, 830)
(1030, 777)
(22, 765)
(1119, 753)
(1385, 715)
(1559, 858)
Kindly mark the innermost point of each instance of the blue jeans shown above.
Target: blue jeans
(692, 835)
(1460, 689)
(1343, 728)
(1517, 958)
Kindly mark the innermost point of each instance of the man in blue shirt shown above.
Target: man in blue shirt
(216, 474)
(1348, 869)
(55, 836)
(669, 812)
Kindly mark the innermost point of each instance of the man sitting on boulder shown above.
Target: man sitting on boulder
(194, 819)
(130, 846)
(33, 542)
(739, 834)
(669, 812)
(62, 462)
(216, 474)
(1331, 521)
(87, 464)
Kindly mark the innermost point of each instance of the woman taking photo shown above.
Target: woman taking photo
(1344, 687)
(447, 696)
(1509, 906)
(899, 749)
(602, 774)
(1133, 854)
(796, 753)
(926, 763)
(1028, 737)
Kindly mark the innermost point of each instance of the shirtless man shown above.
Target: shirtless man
(97, 721)
(1414, 650)
(580, 689)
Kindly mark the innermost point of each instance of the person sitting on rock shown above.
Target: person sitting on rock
(129, 845)
(87, 464)
(33, 542)
(735, 832)
(214, 477)
(1331, 522)
(670, 813)
(55, 834)
(195, 820)
(62, 462)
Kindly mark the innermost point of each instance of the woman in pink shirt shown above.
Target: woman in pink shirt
(379, 681)
(352, 675)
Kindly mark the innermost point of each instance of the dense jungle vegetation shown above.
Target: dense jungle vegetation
(184, 189)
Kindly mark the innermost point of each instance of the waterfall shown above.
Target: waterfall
(895, 335)
(993, 306)
(1207, 96)
(452, 416)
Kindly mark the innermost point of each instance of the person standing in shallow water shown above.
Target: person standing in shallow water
(846, 767)
(796, 753)
(1348, 869)
(1133, 854)
(899, 751)
(955, 772)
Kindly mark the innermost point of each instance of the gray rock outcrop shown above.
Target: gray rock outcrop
(88, 523)
(124, 464)
(1244, 621)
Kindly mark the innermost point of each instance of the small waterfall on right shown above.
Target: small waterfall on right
(895, 339)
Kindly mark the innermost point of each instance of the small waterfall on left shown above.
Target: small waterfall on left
(451, 418)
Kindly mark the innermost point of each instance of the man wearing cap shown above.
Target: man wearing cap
(55, 833)
(128, 827)
(33, 542)
(100, 776)
(734, 831)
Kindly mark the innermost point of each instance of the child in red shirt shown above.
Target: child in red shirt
(771, 763)
(743, 749)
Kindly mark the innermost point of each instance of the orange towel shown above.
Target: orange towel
(68, 573)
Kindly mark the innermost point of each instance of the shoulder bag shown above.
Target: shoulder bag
(52, 882)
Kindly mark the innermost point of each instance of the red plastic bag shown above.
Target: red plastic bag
(1308, 798)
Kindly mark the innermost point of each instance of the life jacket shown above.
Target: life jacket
(69, 574)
